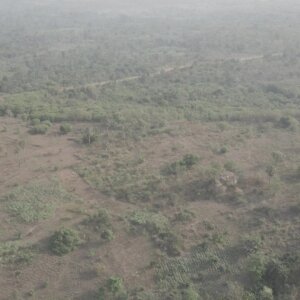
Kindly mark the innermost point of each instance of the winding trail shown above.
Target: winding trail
(168, 69)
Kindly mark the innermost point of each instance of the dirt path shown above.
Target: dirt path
(168, 69)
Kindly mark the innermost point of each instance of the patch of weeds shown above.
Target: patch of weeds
(184, 216)
(157, 226)
(114, 289)
(186, 163)
(35, 201)
(13, 253)
(251, 245)
(230, 166)
(101, 222)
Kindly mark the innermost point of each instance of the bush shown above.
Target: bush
(223, 150)
(276, 276)
(35, 122)
(184, 216)
(39, 129)
(190, 294)
(47, 123)
(288, 122)
(64, 241)
(114, 289)
(115, 285)
(100, 222)
(176, 167)
(90, 136)
(65, 128)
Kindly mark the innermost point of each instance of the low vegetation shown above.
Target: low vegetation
(64, 241)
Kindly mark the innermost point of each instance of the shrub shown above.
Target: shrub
(190, 293)
(115, 285)
(114, 289)
(107, 235)
(12, 253)
(64, 241)
(278, 157)
(230, 166)
(189, 160)
(176, 167)
(288, 122)
(276, 276)
(100, 222)
(35, 122)
(65, 128)
(223, 150)
(39, 129)
(90, 136)
(266, 294)
(47, 123)
(184, 216)
(256, 268)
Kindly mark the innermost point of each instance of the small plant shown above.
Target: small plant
(65, 128)
(64, 241)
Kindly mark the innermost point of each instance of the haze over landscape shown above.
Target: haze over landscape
(150, 150)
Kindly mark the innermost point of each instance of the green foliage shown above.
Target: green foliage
(65, 128)
(187, 162)
(115, 285)
(113, 290)
(288, 122)
(101, 222)
(64, 241)
(151, 222)
(271, 171)
(11, 253)
(157, 226)
(223, 150)
(190, 293)
(251, 245)
(184, 216)
(35, 201)
(90, 136)
(230, 166)
(278, 157)
(256, 268)
(276, 276)
(266, 294)
(35, 122)
(39, 129)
